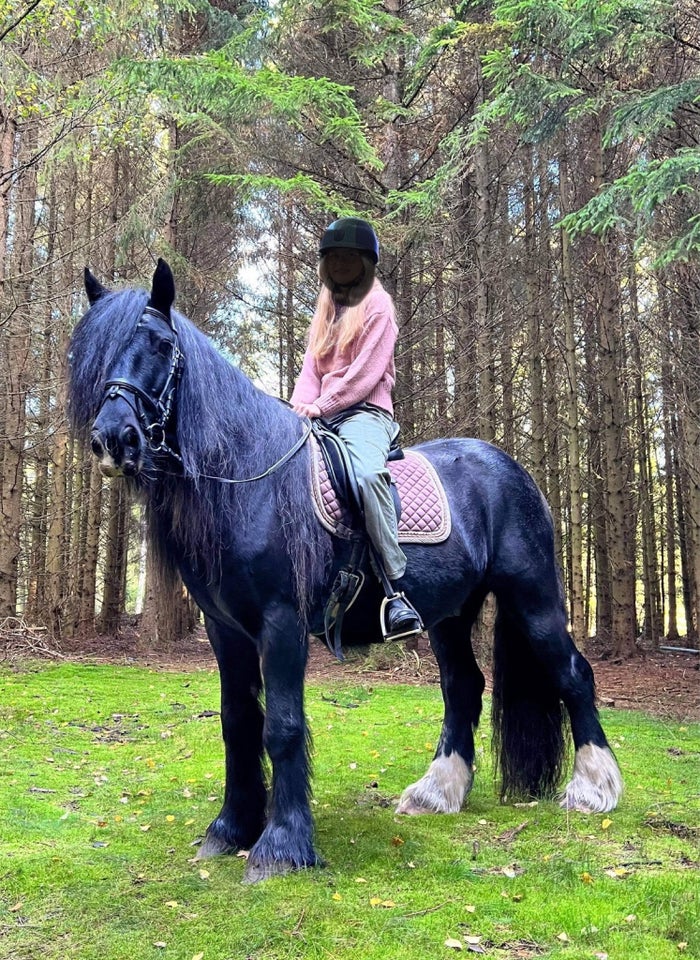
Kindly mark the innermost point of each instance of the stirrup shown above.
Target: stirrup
(399, 634)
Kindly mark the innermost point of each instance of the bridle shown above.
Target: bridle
(152, 412)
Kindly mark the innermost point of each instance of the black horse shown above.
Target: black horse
(224, 472)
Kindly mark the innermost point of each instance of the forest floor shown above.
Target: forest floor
(661, 683)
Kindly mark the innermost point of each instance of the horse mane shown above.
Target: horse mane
(226, 428)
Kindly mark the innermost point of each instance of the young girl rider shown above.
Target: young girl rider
(347, 378)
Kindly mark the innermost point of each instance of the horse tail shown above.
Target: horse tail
(527, 714)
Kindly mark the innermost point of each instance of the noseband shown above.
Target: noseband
(152, 413)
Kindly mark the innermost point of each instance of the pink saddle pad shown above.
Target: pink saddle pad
(425, 512)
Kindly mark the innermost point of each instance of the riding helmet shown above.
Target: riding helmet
(350, 233)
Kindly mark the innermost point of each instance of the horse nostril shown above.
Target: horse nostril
(96, 446)
(130, 437)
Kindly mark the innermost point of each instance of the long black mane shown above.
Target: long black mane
(226, 428)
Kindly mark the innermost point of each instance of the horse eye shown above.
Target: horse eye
(165, 348)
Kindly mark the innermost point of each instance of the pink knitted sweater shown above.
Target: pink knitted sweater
(363, 372)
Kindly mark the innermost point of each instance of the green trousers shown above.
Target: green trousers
(368, 431)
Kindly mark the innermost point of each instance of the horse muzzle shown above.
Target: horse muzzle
(119, 449)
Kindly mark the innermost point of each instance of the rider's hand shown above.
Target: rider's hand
(309, 410)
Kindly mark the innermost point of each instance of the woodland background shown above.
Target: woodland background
(532, 170)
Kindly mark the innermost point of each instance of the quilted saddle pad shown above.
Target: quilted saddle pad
(425, 512)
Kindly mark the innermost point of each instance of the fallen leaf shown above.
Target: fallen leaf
(563, 936)
(198, 956)
(606, 823)
(586, 877)
(682, 945)
(453, 944)
(360, 880)
(204, 874)
(397, 841)
(16, 907)
(470, 908)
(169, 818)
(172, 904)
(508, 872)
(336, 896)
(472, 940)
(161, 944)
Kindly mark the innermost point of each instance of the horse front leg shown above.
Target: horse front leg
(449, 777)
(242, 816)
(287, 840)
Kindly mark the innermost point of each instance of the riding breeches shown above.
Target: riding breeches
(367, 432)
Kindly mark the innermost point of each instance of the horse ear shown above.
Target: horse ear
(93, 287)
(163, 289)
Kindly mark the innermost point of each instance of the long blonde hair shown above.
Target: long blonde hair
(328, 330)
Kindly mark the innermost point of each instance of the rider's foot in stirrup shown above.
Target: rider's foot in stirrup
(399, 618)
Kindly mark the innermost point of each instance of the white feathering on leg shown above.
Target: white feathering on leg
(441, 790)
(596, 785)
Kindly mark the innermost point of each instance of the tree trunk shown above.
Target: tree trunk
(571, 420)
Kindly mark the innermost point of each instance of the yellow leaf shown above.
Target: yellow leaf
(388, 903)
(172, 904)
(453, 944)
(198, 956)
(397, 841)
(375, 901)
(606, 823)
(586, 877)
(204, 874)
(360, 880)
(336, 896)
(188, 823)
(470, 908)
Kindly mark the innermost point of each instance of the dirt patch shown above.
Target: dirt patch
(662, 683)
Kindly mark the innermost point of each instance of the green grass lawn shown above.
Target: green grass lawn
(108, 776)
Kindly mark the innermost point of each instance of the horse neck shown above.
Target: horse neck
(229, 424)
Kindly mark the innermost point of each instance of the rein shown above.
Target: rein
(275, 466)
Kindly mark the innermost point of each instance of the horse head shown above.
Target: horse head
(135, 418)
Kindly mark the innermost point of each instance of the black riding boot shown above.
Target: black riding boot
(399, 618)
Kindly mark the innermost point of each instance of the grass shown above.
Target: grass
(108, 775)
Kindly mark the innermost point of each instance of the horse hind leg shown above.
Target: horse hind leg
(449, 777)
(536, 669)
(596, 783)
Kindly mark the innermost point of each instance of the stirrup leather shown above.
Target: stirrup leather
(399, 635)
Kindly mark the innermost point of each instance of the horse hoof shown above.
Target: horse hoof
(441, 790)
(409, 808)
(213, 846)
(255, 872)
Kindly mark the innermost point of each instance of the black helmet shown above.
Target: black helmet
(350, 233)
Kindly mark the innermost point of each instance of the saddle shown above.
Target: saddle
(422, 510)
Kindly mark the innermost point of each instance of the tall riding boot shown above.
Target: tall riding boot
(397, 615)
